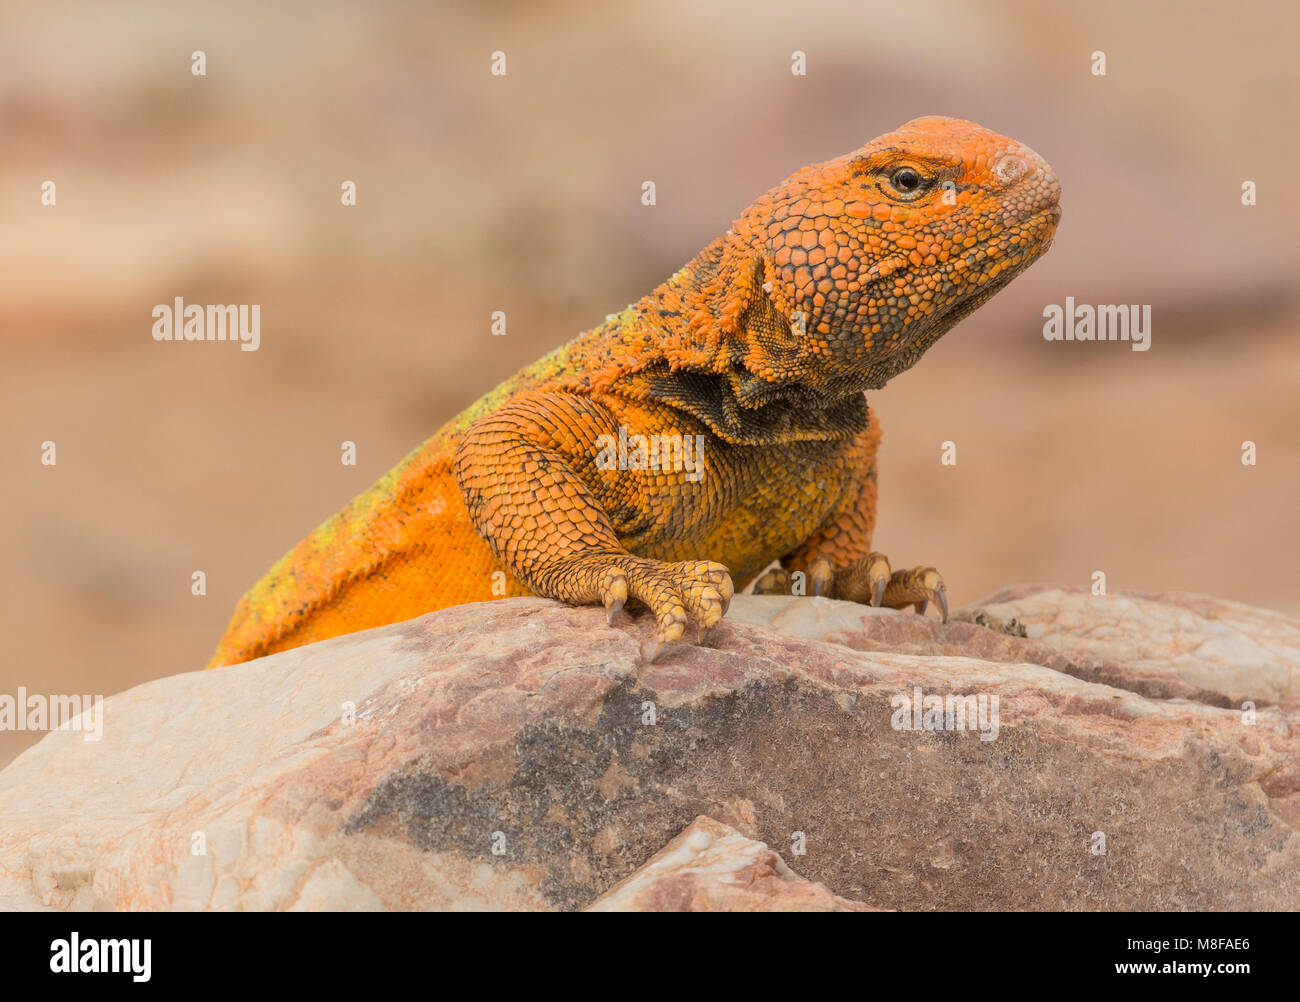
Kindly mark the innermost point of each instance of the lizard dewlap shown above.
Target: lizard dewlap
(718, 424)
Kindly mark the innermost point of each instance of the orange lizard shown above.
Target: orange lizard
(714, 426)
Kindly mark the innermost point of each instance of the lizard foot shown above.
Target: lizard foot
(869, 580)
(676, 593)
(872, 576)
(917, 587)
(859, 582)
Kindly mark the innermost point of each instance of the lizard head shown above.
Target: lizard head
(843, 275)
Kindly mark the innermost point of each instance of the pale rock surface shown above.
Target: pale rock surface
(519, 755)
(1161, 645)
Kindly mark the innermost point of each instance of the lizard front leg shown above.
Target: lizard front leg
(527, 473)
(838, 560)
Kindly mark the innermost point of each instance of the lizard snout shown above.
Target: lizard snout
(1039, 187)
(1011, 167)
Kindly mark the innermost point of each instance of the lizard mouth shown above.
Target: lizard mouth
(1039, 228)
(973, 300)
(1045, 221)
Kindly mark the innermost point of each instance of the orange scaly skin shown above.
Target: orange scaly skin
(762, 346)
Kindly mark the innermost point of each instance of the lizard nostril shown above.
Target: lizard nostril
(1011, 168)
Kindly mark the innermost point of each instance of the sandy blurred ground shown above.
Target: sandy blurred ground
(522, 193)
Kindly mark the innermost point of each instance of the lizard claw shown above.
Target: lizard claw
(820, 574)
(613, 594)
(651, 649)
(917, 588)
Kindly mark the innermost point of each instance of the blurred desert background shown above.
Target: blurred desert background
(477, 193)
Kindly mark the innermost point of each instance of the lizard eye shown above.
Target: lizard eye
(906, 180)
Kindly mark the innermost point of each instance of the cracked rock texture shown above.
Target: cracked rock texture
(1145, 754)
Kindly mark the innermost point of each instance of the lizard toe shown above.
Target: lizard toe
(917, 587)
(721, 579)
(706, 589)
(613, 593)
(774, 582)
(652, 585)
(863, 581)
(821, 576)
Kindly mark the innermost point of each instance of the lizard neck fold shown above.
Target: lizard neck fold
(787, 413)
(715, 341)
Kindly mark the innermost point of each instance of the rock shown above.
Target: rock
(518, 755)
(1164, 646)
(711, 867)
